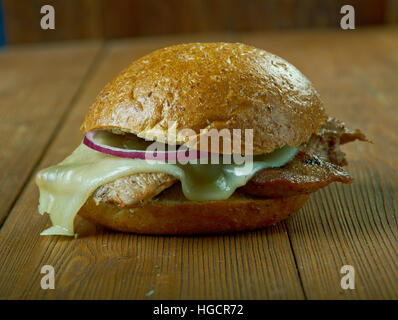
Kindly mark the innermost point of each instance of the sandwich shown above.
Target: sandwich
(200, 138)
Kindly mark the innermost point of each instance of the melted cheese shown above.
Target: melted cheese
(64, 188)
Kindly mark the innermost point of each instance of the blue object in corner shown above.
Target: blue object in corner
(2, 26)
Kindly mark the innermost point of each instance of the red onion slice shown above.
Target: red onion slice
(187, 154)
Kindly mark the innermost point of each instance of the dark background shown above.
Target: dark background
(108, 19)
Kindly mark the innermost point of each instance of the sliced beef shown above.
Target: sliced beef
(316, 165)
(304, 174)
(326, 144)
(135, 189)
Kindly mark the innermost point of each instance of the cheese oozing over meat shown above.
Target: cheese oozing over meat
(64, 188)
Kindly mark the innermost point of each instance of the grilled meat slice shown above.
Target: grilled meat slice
(316, 165)
(326, 144)
(304, 174)
(134, 190)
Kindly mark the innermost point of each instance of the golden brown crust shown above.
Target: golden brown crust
(171, 213)
(210, 86)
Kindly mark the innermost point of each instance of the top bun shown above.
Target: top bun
(210, 85)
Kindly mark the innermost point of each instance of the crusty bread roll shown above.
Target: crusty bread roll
(206, 86)
(172, 213)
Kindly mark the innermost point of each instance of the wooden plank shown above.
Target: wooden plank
(84, 19)
(179, 16)
(74, 19)
(356, 75)
(103, 264)
(37, 85)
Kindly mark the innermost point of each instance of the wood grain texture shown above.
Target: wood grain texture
(147, 17)
(356, 74)
(37, 85)
(74, 19)
(109, 19)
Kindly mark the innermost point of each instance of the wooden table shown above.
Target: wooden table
(45, 92)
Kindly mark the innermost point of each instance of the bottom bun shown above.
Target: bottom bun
(171, 213)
